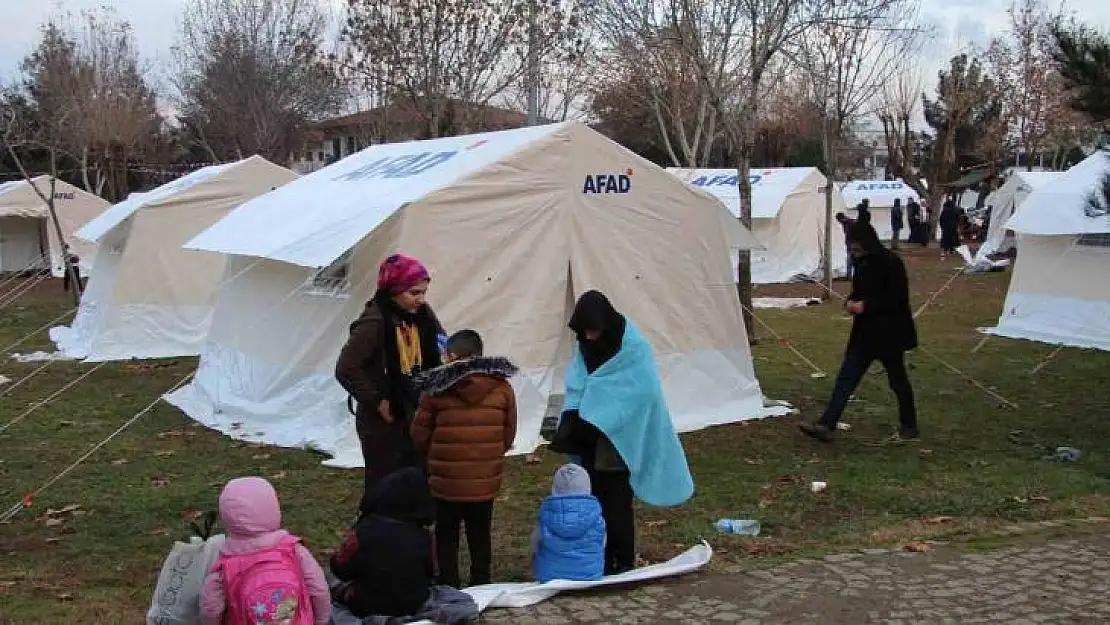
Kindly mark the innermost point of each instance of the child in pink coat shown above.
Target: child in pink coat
(251, 516)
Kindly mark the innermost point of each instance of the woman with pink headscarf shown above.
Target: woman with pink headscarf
(396, 336)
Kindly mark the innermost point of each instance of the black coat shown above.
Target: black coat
(387, 556)
(886, 324)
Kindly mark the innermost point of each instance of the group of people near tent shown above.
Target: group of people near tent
(433, 414)
(435, 417)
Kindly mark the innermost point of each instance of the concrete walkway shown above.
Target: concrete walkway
(1063, 581)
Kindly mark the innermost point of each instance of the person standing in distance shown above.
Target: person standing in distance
(883, 329)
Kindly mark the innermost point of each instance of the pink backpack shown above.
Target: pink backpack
(265, 587)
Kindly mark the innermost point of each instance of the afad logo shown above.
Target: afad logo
(404, 166)
(608, 183)
(880, 186)
(724, 180)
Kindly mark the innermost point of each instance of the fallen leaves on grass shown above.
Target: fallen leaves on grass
(163, 453)
(66, 424)
(532, 459)
(170, 434)
(159, 483)
(191, 515)
(938, 520)
(54, 518)
(260, 456)
(65, 596)
(119, 461)
(917, 547)
(277, 476)
(659, 523)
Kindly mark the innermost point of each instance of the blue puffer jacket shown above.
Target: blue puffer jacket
(572, 539)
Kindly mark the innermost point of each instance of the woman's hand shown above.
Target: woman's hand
(383, 410)
(856, 308)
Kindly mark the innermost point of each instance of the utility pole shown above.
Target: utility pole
(532, 78)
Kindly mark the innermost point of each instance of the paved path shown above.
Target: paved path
(1065, 581)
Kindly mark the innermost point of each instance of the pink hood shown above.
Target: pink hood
(250, 514)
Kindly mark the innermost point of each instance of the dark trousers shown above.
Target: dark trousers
(614, 491)
(848, 266)
(855, 365)
(386, 447)
(895, 237)
(476, 517)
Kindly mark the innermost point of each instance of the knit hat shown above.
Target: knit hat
(571, 479)
(400, 273)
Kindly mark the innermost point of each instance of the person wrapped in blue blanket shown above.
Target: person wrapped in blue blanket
(617, 425)
(568, 541)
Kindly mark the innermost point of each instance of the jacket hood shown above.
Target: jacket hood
(472, 378)
(402, 496)
(570, 516)
(571, 479)
(249, 507)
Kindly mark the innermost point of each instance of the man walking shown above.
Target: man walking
(883, 329)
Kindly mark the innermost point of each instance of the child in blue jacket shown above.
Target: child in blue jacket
(568, 542)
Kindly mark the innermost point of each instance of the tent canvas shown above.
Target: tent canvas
(1060, 292)
(1004, 201)
(788, 219)
(514, 225)
(880, 195)
(147, 297)
(28, 239)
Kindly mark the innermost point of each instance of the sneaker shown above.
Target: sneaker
(903, 436)
(818, 431)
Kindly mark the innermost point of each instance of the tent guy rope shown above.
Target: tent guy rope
(28, 499)
(35, 406)
(7, 349)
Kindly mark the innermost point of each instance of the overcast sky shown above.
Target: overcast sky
(958, 24)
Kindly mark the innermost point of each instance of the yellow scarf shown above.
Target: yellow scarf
(408, 348)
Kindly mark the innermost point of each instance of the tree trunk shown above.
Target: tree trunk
(829, 142)
(744, 167)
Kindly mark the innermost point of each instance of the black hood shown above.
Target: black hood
(864, 234)
(595, 313)
(402, 496)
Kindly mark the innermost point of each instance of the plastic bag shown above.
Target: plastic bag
(177, 595)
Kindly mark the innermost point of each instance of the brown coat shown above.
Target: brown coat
(464, 425)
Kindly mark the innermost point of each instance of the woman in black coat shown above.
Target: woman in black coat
(949, 227)
(883, 329)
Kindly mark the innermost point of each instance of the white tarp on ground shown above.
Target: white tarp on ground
(513, 225)
(147, 297)
(28, 239)
(1060, 289)
(522, 595)
(783, 302)
(1004, 201)
(788, 219)
(880, 195)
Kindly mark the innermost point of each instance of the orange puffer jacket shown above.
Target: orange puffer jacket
(464, 425)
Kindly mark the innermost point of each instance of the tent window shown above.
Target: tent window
(1094, 240)
(333, 278)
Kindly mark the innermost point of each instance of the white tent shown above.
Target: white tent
(28, 239)
(147, 297)
(1004, 201)
(880, 195)
(514, 225)
(1060, 288)
(788, 219)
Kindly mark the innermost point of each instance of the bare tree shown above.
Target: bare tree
(251, 74)
(1021, 65)
(20, 135)
(646, 47)
(449, 59)
(86, 71)
(563, 82)
(848, 58)
(759, 30)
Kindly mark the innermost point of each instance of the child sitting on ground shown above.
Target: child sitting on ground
(465, 423)
(386, 558)
(264, 574)
(568, 542)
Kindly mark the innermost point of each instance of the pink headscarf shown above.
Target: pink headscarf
(400, 273)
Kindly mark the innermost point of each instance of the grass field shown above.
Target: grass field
(979, 464)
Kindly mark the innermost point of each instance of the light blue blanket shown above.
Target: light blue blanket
(624, 399)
